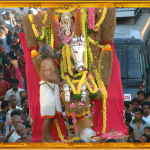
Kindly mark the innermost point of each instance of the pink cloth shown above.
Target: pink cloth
(9, 123)
(115, 100)
(18, 76)
(33, 87)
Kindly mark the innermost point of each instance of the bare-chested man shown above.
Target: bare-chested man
(21, 131)
(49, 89)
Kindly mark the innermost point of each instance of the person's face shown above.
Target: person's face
(25, 104)
(21, 132)
(52, 53)
(146, 109)
(141, 97)
(8, 107)
(28, 130)
(16, 122)
(143, 139)
(15, 86)
(1, 76)
(2, 124)
(125, 108)
(147, 132)
(13, 101)
(130, 108)
(135, 105)
(138, 116)
(23, 95)
(12, 49)
(18, 53)
(148, 99)
(2, 42)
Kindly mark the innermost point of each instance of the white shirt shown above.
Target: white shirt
(14, 136)
(8, 117)
(11, 92)
(147, 119)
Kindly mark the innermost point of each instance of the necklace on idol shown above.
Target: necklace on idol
(67, 29)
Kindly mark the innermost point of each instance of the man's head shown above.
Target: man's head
(138, 114)
(19, 51)
(13, 48)
(144, 138)
(141, 95)
(2, 120)
(147, 131)
(23, 94)
(146, 107)
(13, 101)
(16, 120)
(2, 74)
(46, 51)
(126, 106)
(135, 103)
(128, 118)
(130, 107)
(21, 130)
(15, 112)
(15, 83)
(5, 105)
(1, 41)
(147, 96)
(25, 103)
(28, 126)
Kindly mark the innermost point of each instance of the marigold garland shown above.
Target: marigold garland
(103, 89)
(52, 39)
(101, 19)
(95, 43)
(34, 53)
(34, 27)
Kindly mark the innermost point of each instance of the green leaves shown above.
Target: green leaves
(76, 96)
(93, 95)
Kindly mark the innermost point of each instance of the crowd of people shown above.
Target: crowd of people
(15, 123)
(137, 117)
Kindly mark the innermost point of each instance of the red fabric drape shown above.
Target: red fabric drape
(115, 103)
(33, 95)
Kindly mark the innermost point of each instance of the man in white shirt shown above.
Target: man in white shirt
(12, 136)
(14, 91)
(13, 106)
(146, 108)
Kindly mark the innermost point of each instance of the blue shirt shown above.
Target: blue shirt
(7, 47)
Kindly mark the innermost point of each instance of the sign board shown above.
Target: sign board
(127, 97)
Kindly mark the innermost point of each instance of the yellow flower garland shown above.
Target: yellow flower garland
(52, 39)
(60, 11)
(102, 18)
(34, 27)
(104, 91)
(94, 43)
(91, 55)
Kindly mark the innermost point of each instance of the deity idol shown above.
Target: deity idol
(67, 26)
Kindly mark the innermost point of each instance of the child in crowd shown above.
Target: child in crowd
(2, 42)
(147, 131)
(15, 67)
(146, 108)
(147, 96)
(7, 70)
(144, 138)
(13, 48)
(141, 96)
(135, 104)
(22, 65)
(4, 86)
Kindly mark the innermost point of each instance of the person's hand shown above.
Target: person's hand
(59, 52)
(63, 83)
(10, 133)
